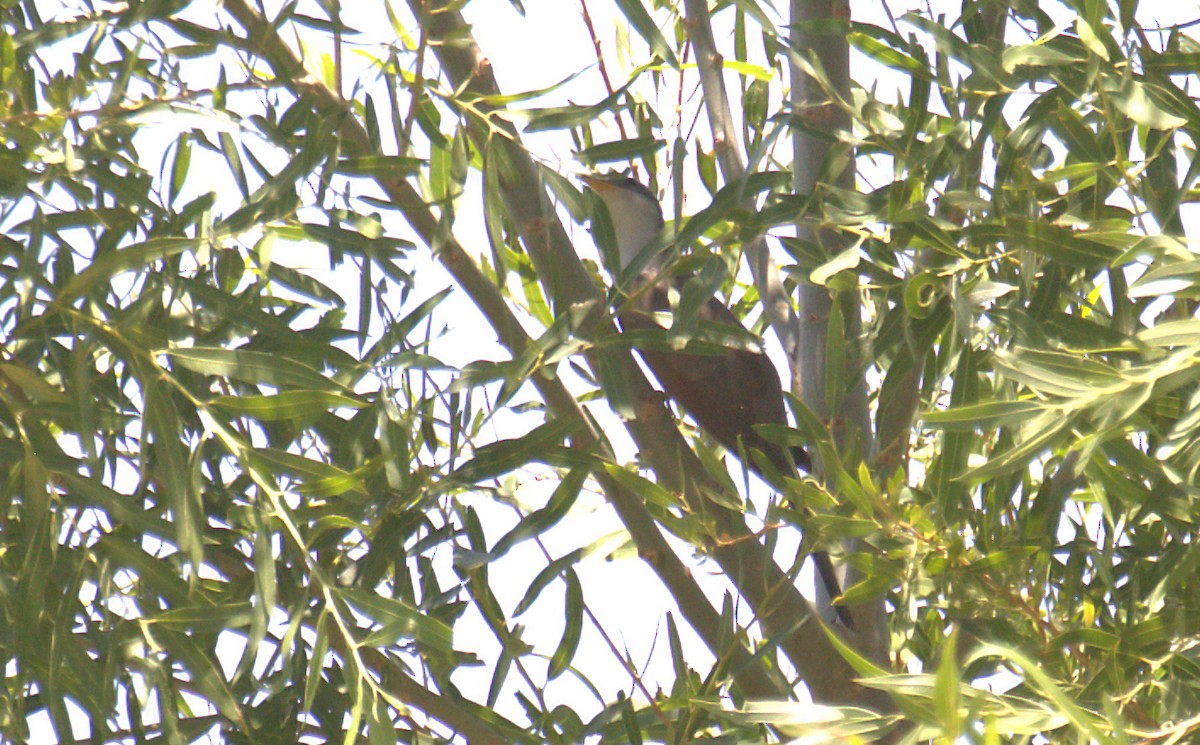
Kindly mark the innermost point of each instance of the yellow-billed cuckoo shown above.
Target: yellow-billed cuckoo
(729, 391)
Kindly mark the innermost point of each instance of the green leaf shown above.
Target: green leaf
(565, 117)
(1037, 54)
(100, 273)
(1083, 721)
(539, 521)
(1045, 430)
(620, 150)
(120, 508)
(921, 294)
(176, 472)
(204, 673)
(398, 620)
(1091, 38)
(1071, 247)
(1172, 278)
(156, 575)
(887, 55)
(1058, 373)
(650, 492)
(635, 12)
(211, 619)
(289, 405)
(572, 627)
(380, 166)
(506, 455)
(1139, 102)
(844, 261)
(317, 479)
(985, 415)
(548, 574)
(251, 367)
(947, 700)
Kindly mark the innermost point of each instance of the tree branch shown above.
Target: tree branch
(750, 674)
(776, 304)
(812, 104)
(782, 609)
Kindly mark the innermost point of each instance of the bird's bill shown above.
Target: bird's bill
(598, 183)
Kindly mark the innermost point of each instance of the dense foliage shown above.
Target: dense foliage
(315, 427)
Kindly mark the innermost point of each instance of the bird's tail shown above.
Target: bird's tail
(827, 575)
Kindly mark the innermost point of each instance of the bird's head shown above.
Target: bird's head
(635, 214)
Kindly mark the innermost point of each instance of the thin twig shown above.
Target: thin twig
(608, 86)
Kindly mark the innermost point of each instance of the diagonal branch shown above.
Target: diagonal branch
(750, 674)
(782, 609)
(803, 345)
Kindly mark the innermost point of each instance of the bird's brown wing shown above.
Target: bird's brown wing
(728, 391)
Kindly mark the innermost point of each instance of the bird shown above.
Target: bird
(729, 391)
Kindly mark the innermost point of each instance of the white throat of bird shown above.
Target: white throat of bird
(636, 216)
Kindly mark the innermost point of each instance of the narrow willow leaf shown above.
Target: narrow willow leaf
(1058, 373)
(401, 619)
(539, 521)
(548, 574)
(620, 150)
(696, 292)
(1082, 720)
(288, 405)
(381, 166)
(1047, 429)
(204, 673)
(179, 166)
(175, 471)
(1136, 101)
(1091, 38)
(572, 627)
(635, 12)
(1071, 247)
(1172, 278)
(887, 55)
(233, 157)
(252, 367)
(317, 478)
(531, 288)
(1036, 55)
(101, 272)
(495, 162)
(501, 457)
(294, 280)
(986, 415)
(650, 492)
(565, 117)
(209, 619)
(316, 660)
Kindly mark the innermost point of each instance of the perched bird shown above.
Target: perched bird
(727, 392)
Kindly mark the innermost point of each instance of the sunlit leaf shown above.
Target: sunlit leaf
(398, 620)
(252, 367)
